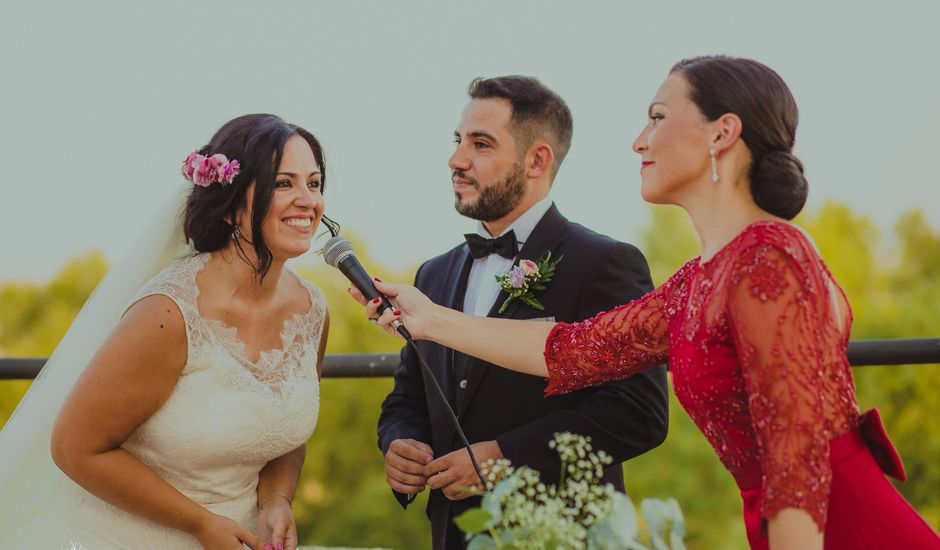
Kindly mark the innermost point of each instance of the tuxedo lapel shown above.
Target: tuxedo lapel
(458, 272)
(545, 237)
(452, 297)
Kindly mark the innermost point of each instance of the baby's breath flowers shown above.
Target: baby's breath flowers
(521, 512)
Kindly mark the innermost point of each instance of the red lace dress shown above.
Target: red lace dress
(756, 340)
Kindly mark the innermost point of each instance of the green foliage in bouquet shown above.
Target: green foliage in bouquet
(520, 512)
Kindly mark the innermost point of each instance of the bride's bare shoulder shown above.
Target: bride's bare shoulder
(153, 324)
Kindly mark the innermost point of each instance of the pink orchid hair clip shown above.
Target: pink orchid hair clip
(204, 171)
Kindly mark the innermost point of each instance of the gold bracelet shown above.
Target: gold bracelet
(272, 495)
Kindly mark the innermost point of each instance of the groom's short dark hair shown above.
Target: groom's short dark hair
(537, 111)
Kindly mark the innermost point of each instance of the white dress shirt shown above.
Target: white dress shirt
(482, 288)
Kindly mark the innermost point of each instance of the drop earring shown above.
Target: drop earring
(711, 153)
(236, 233)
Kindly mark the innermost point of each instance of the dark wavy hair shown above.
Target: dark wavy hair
(257, 142)
(537, 112)
(757, 94)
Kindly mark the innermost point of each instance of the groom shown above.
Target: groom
(511, 140)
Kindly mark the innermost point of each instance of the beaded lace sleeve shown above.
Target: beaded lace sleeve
(790, 325)
(611, 345)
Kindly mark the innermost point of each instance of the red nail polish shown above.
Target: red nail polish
(379, 280)
(376, 300)
(397, 312)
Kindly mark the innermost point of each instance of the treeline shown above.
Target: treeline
(892, 282)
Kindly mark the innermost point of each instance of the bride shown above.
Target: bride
(186, 407)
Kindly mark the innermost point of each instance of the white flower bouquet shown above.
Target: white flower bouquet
(520, 512)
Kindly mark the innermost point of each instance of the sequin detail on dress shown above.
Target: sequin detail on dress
(756, 340)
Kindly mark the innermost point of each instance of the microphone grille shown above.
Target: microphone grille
(336, 249)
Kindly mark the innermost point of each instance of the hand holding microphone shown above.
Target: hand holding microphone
(413, 308)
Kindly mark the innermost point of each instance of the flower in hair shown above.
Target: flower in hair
(204, 171)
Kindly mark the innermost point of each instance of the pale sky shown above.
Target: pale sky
(100, 101)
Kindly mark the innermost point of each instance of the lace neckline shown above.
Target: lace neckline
(751, 227)
(228, 337)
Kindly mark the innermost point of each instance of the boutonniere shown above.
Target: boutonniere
(525, 279)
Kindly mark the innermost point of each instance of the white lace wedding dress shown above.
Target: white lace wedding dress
(225, 419)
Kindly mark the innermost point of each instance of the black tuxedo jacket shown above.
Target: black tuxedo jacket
(624, 418)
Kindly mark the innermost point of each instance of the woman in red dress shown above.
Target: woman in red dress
(755, 330)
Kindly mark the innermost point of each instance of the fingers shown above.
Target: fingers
(454, 483)
(417, 451)
(384, 320)
(443, 479)
(357, 296)
(457, 494)
(404, 488)
(290, 538)
(439, 465)
(422, 446)
(460, 486)
(277, 535)
(372, 308)
(441, 472)
(388, 317)
(408, 467)
(404, 482)
(388, 289)
(249, 538)
(404, 478)
(452, 474)
(404, 465)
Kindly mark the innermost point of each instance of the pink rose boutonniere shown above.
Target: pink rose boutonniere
(525, 278)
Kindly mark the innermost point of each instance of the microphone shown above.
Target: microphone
(338, 253)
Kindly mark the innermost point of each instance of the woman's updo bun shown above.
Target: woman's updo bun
(719, 85)
(778, 185)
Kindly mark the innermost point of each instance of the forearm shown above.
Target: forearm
(793, 529)
(122, 480)
(509, 343)
(280, 475)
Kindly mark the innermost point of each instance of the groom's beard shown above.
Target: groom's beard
(495, 201)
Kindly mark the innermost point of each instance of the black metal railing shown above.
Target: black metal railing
(861, 353)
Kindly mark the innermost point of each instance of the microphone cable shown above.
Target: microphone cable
(440, 392)
(333, 252)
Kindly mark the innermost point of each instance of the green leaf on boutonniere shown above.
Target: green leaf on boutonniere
(525, 278)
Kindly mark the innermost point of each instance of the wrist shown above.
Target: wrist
(274, 497)
(493, 450)
(439, 317)
(199, 522)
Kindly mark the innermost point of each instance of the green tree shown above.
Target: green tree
(342, 498)
(34, 317)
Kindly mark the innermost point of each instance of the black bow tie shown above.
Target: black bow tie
(481, 247)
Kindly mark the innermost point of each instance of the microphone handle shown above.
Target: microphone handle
(357, 275)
